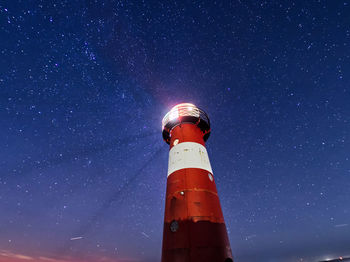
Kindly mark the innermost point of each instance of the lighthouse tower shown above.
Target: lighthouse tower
(194, 226)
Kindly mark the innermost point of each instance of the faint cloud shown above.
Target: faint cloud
(14, 256)
(9, 256)
(341, 225)
(51, 259)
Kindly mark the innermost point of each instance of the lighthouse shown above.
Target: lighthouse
(194, 227)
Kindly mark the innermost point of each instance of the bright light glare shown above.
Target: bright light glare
(174, 113)
(181, 110)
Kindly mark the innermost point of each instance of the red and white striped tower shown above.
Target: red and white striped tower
(194, 226)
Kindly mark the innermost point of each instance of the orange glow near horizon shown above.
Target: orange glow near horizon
(8, 256)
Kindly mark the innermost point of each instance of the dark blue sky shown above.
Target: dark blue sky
(84, 86)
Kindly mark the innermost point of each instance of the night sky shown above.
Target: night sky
(83, 89)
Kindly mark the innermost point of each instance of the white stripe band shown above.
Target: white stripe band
(188, 155)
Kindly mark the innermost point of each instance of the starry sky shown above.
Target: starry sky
(84, 85)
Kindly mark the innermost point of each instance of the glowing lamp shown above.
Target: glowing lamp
(174, 113)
